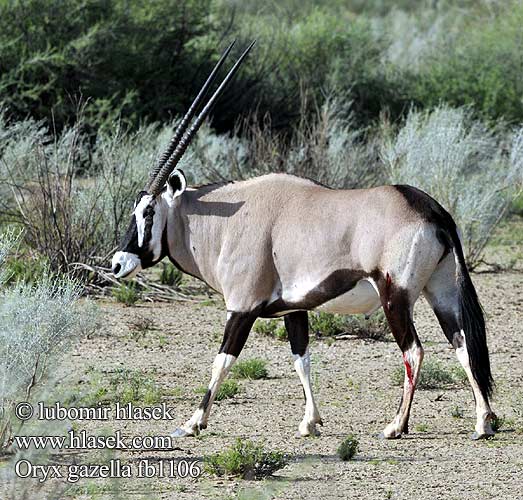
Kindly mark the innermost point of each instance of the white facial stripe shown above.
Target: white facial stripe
(140, 220)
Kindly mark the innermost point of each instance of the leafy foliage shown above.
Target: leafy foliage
(145, 63)
(271, 327)
(171, 275)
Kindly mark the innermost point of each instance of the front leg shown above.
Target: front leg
(297, 325)
(237, 330)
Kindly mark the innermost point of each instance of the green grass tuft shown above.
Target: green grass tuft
(245, 459)
(348, 447)
(171, 275)
(127, 294)
(228, 389)
(253, 369)
(497, 422)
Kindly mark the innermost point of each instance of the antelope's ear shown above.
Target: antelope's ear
(176, 183)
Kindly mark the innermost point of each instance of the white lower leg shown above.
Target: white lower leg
(412, 359)
(302, 364)
(483, 411)
(220, 368)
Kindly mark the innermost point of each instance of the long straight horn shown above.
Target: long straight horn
(158, 183)
(182, 127)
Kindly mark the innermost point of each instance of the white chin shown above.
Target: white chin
(129, 263)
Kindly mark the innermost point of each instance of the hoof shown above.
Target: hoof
(181, 432)
(308, 429)
(382, 435)
(486, 435)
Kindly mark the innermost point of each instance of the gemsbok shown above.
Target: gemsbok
(280, 245)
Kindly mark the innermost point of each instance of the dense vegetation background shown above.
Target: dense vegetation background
(351, 93)
(144, 61)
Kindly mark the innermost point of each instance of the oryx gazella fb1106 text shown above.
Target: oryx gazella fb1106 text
(280, 245)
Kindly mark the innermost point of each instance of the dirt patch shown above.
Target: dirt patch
(353, 386)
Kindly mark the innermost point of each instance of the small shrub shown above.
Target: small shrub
(348, 447)
(272, 327)
(329, 325)
(421, 428)
(127, 294)
(459, 375)
(434, 375)
(245, 459)
(171, 276)
(228, 389)
(253, 369)
(38, 323)
(323, 324)
(373, 328)
(26, 269)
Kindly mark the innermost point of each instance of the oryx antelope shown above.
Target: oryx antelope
(280, 245)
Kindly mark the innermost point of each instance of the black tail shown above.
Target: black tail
(472, 320)
(471, 314)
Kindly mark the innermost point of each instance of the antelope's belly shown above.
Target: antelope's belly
(362, 299)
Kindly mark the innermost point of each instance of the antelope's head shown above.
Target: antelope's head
(144, 244)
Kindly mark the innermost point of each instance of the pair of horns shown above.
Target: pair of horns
(181, 139)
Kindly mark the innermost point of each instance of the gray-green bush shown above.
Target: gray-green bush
(472, 170)
(36, 322)
(74, 199)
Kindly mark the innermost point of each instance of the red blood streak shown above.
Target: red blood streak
(408, 368)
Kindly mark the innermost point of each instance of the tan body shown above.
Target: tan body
(281, 236)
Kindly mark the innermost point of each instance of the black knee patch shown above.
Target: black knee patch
(297, 326)
(237, 330)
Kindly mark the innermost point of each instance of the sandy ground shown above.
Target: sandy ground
(352, 382)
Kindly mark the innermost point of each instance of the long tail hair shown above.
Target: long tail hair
(472, 320)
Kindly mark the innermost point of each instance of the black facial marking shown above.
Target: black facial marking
(129, 242)
(148, 215)
(297, 326)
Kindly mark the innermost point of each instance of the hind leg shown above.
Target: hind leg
(297, 326)
(398, 310)
(442, 294)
